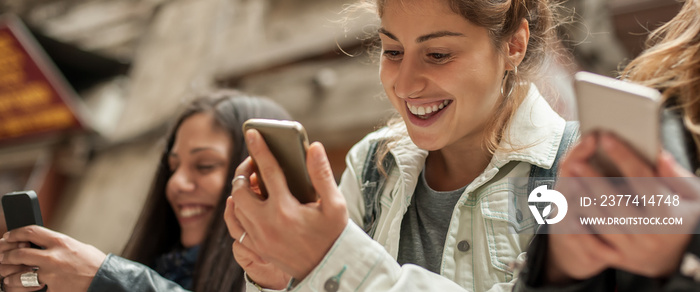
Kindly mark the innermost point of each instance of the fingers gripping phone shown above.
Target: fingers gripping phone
(288, 143)
(21, 209)
(628, 110)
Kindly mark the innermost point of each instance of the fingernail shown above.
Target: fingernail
(2, 255)
(250, 137)
(607, 141)
(320, 154)
(6, 235)
(667, 157)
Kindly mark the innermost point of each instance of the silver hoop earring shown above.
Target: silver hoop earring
(503, 82)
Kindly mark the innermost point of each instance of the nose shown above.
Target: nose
(181, 182)
(410, 80)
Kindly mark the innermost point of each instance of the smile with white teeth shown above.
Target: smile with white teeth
(187, 212)
(423, 111)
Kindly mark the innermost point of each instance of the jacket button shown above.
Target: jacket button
(331, 285)
(519, 215)
(463, 246)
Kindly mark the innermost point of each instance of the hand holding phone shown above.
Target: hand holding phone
(288, 142)
(629, 111)
(21, 209)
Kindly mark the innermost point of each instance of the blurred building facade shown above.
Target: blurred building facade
(161, 53)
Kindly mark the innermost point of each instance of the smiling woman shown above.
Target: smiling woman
(180, 241)
(178, 233)
(459, 74)
(198, 160)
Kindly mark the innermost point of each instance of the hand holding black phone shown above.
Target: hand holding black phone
(22, 209)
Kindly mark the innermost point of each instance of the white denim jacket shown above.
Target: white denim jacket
(357, 263)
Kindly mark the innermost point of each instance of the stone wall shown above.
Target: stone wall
(286, 50)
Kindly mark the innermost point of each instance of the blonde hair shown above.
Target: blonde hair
(671, 63)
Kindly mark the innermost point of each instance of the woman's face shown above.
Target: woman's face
(199, 162)
(440, 71)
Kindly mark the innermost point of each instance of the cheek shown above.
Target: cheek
(483, 88)
(492, 94)
(215, 186)
(387, 73)
(169, 191)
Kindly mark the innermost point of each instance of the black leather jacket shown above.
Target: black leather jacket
(117, 274)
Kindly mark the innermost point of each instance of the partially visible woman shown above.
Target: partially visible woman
(636, 262)
(180, 233)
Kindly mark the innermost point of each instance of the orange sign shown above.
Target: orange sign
(35, 99)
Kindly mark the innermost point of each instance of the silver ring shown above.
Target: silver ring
(30, 279)
(239, 177)
(240, 240)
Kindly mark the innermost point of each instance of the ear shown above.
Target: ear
(516, 47)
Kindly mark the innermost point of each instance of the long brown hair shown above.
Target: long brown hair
(502, 19)
(157, 230)
(671, 63)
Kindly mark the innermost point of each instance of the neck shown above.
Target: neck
(456, 165)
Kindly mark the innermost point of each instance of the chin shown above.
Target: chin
(190, 242)
(426, 141)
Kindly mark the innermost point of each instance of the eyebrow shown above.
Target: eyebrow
(195, 150)
(423, 38)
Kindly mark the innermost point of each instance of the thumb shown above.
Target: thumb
(668, 167)
(677, 178)
(322, 178)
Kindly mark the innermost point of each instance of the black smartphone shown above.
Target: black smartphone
(288, 143)
(21, 209)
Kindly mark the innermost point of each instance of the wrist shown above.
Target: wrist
(553, 273)
(556, 276)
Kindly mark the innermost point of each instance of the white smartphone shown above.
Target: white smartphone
(629, 111)
(288, 143)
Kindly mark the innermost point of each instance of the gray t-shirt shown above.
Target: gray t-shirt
(424, 226)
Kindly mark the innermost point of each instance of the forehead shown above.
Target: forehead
(423, 16)
(409, 20)
(200, 130)
(424, 7)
